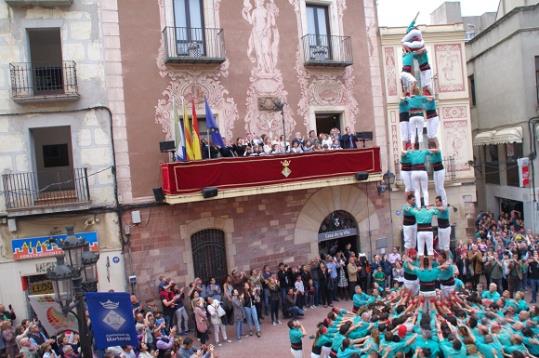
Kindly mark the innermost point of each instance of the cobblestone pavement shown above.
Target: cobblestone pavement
(274, 341)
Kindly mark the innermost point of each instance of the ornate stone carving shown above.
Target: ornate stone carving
(457, 138)
(454, 112)
(391, 71)
(449, 67)
(198, 82)
(265, 78)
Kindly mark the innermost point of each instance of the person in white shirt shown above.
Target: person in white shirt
(300, 288)
(394, 256)
(216, 313)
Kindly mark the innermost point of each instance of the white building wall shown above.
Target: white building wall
(90, 41)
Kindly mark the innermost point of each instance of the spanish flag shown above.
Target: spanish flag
(187, 131)
(197, 151)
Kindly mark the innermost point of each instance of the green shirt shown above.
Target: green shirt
(360, 299)
(446, 273)
(324, 340)
(337, 342)
(348, 352)
(424, 215)
(435, 157)
(447, 348)
(430, 105)
(427, 275)
(379, 276)
(295, 335)
(403, 106)
(492, 296)
(431, 344)
(418, 156)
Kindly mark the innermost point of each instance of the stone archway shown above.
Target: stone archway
(349, 198)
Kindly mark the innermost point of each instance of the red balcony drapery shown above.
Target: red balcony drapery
(188, 177)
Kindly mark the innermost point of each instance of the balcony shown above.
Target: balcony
(44, 3)
(327, 50)
(194, 45)
(46, 191)
(32, 83)
(183, 181)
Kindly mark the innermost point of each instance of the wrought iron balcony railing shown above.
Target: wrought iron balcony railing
(33, 190)
(194, 45)
(49, 3)
(327, 50)
(40, 82)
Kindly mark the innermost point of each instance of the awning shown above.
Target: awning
(484, 138)
(508, 135)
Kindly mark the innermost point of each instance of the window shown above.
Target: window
(46, 60)
(55, 155)
(513, 151)
(189, 22)
(472, 89)
(537, 77)
(492, 168)
(327, 121)
(53, 159)
(318, 31)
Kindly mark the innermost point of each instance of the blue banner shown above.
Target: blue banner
(112, 319)
(41, 246)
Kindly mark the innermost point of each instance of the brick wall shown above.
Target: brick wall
(263, 229)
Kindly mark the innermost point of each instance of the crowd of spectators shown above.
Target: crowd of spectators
(502, 251)
(260, 145)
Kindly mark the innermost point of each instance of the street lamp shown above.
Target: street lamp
(389, 179)
(72, 278)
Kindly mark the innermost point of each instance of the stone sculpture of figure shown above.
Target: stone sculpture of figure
(264, 38)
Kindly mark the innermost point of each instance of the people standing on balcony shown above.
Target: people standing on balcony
(348, 139)
(313, 138)
(420, 178)
(296, 147)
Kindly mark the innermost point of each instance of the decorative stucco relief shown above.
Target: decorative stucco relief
(194, 82)
(265, 78)
(456, 138)
(449, 67)
(391, 71)
(324, 87)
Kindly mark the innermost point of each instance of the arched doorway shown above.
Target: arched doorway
(336, 231)
(209, 254)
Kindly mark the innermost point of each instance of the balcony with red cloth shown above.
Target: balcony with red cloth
(184, 181)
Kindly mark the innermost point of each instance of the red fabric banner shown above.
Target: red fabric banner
(188, 177)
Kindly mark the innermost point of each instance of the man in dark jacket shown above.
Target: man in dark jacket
(349, 139)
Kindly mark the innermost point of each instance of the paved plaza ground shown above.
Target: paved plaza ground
(274, 342)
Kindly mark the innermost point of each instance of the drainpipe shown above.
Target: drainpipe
(532, 125)
(117, 208)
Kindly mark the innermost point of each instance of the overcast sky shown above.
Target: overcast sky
(401, 12)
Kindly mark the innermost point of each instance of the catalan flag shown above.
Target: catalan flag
(187, 131)
(197, 151)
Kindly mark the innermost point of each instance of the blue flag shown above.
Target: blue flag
(112, 319)
(212, 126)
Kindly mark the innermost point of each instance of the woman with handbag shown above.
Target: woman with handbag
(201, 321)
(216, 314)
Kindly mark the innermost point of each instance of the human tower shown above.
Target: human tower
(432, 314)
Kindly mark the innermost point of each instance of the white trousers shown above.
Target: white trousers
(432, 127)
(409, 233)
(405, 131)
(296, 353)
(325, 352)
(426, 78)
(428, 293)
(412, 286)
(314, 355)
(447, 290)
(416, 124)
(424, 237)
(420, 184)
(444, 237)
(439, 180)
(406, 177)
(216, 328)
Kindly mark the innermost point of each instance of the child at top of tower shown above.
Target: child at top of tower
(413, 39)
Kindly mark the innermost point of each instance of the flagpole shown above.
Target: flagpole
(208, 135)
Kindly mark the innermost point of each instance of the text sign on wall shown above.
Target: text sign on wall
(337, 234)
(40, 246)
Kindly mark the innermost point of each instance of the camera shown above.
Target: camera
(133, 279)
